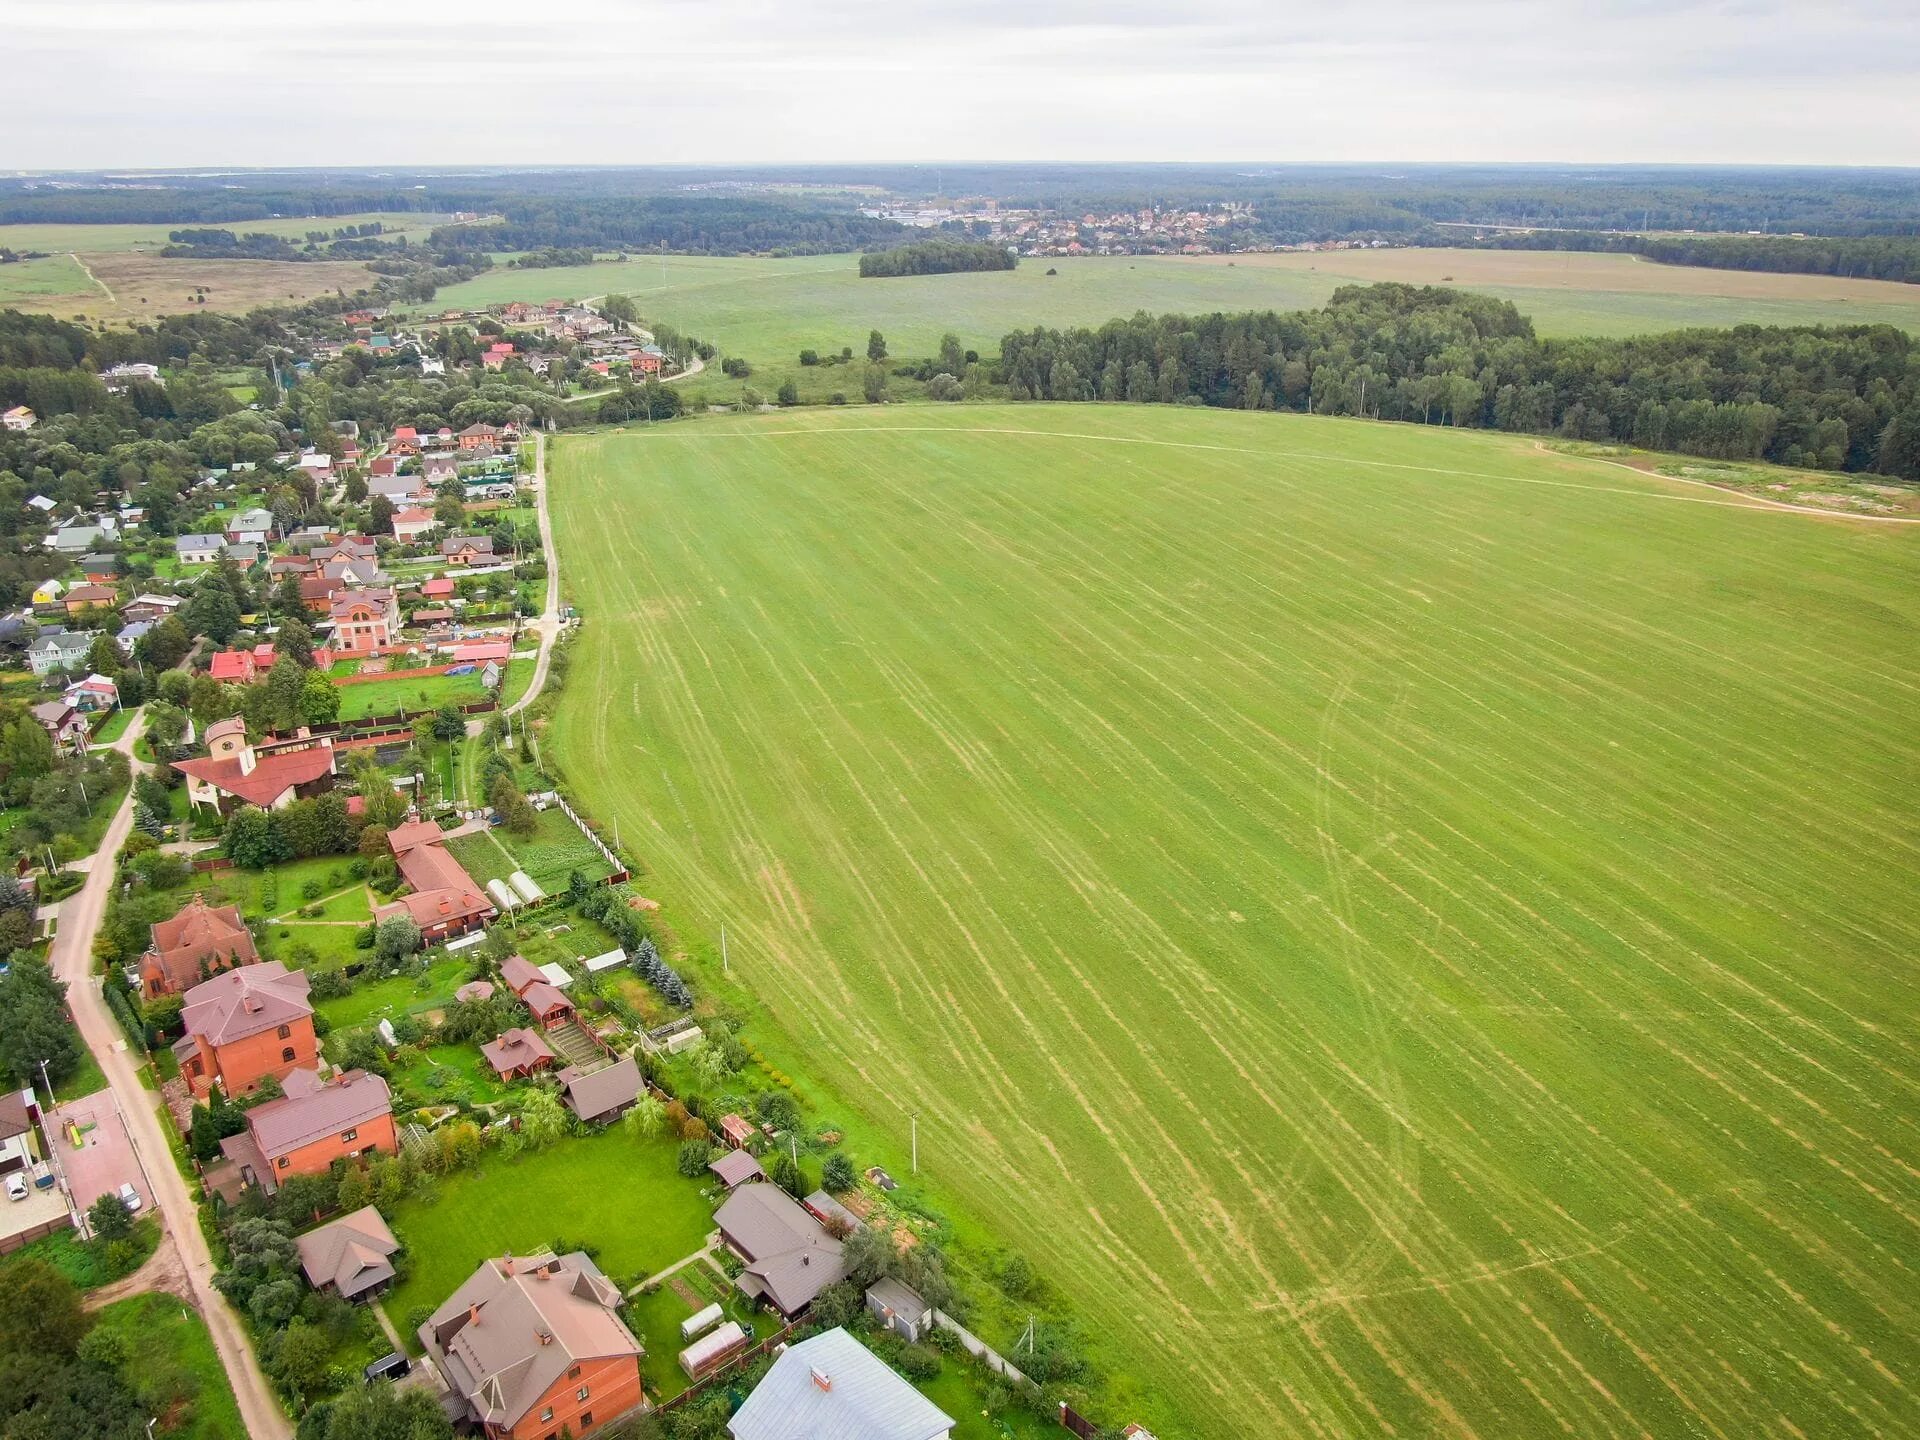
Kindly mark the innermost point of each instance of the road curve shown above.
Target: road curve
(549, 622)
(71, 957)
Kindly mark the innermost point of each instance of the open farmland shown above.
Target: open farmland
(1413, 933)
(93, 239)
(122, 286)
(769, 310)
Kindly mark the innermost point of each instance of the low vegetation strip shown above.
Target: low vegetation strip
(1410, 931)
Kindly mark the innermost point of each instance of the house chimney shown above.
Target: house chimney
(473, 1314)
(507, 1264)
(820, 1378)
(546, 1337)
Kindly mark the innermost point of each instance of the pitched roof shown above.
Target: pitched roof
(516, 1327)
(312, 1108)
(455, 543)
(516, 1048)
(736, 1167)
(442, 889)
(231, 665)
(199, 932)
(597, 1092)
(790, 1255)
(350, 1253)
(543, 999)
(518, 971)
(861, 1399)
(237, 1003)
(273, 774)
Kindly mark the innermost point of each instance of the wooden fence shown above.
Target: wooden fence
(10, 1243)
(1076, 1422)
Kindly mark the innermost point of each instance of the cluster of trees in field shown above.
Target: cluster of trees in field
(1860, 257)
(936, 257)
(204, 244)
(552, 258)
(698, 225)
(1835, 398)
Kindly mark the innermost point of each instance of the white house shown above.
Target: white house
(199, 549)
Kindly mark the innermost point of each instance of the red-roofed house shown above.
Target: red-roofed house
(233, 667)
(364, 621)
(244, 1025)
(382, 466)
(479, 652)
(445, 901)
(411, 523)
(271, 774)
(549, 1006)
(406, 441)
(518, 1053)
(439, 588)
(314, 1124)
(196, 944)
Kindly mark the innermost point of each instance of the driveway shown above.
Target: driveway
(105, 1160)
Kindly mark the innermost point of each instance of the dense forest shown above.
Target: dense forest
(1864, 257)
(936, 257)
(688, 225)
(1835, 398)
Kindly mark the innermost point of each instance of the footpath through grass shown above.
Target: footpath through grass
(1405, 929)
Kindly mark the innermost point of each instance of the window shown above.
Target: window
(286, 1052)
(286, 1031)
(348, 1136)
(547, 1414)
(586, 1419)
(581, 1394)
(281, 1163)
(574, 1373)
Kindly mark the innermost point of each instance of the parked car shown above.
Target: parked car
(16, 1186)
(130, 1198)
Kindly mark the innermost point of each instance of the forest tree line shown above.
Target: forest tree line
(936, 257)
(688, 225)
(1832, 398)
(1857, 257)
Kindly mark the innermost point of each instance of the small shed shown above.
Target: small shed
(737, 1168)
(557, 975)
(712, 1351)
(683, 1040)
(736, 1131)
(899, 1308)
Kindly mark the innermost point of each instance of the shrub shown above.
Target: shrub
(694, 1157)
(917, 1363)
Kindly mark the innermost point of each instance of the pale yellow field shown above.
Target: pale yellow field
(127, 286)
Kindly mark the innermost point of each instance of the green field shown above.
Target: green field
(172, 1365)
(98, 239)
(420, 692)
(26, 281)
(1412, 933)
(769, 310)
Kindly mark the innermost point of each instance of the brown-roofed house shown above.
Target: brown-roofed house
(445, 902)
(790, 1256)
(199, 942)
(314, 1124)
(466, 549)
(603, 1095)
(530, 1347)
(517, 1053)
(271, 774)
(244, 1025)
(736, 1168)
(352, 1256)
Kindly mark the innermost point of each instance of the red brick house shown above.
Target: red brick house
(467, 549)
(244, 1025)
(364, 621)
(314, 1124)
(531, 1348)
(199, 942)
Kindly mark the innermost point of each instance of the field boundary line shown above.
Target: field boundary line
(1745, 502)
(74, 255)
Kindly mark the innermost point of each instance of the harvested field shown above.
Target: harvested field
(128, 285)
(1429, 919)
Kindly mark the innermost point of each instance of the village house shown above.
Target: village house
(536, 992)
(517, 1053)
(58, 651)
(344, 549)
(351, 1256)
(48, 591)
(436, 468)
(199, 549)
(271, 774)
(152, 607)
(405, 441)
(100, 569)
(531, 1348)
(244, 1025)
(93, 694)
(199, 942)
(467, 549)
(251, 527)
(82, 598)
(832, 1385)
(364, 621)
(412, 523)
(117, 377)
(316, 1122)
(19, 418)
(736, 1168)
(601, 1096)
(444, 901)
(65, 726)
(475, 437)
(131, 634)
(789, 1255)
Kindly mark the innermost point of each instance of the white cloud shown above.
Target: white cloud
(203, 82)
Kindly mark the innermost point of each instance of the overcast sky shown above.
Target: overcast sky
(161, 83)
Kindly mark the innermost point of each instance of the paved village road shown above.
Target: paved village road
(72, 956)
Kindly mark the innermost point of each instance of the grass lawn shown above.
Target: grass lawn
(172, 1365)
(621, 1195)
(515, 682)
(87, 1077)
(421, 692)
(398, 994)
(1259, 848)
(114, 727)
(84, 1262)
(655, 1319)
(446, 1074)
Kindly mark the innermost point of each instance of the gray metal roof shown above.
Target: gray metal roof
(861, 1398)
